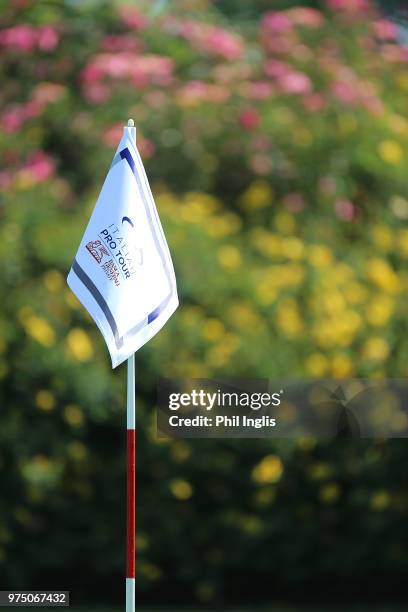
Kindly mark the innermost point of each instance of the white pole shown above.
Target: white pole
(131, 467)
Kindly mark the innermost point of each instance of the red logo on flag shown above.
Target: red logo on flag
(97, 250)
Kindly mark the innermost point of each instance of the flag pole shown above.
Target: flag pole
(131, 467)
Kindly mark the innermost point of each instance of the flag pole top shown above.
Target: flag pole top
(131, 130)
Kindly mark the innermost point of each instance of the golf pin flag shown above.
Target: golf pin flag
(123, 273)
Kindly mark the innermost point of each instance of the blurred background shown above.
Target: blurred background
(275, 138)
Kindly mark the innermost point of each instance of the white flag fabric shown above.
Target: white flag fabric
(122, 272)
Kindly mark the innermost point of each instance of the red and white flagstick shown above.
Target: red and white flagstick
(131, 468)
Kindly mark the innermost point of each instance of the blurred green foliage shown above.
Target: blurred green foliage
(277, 154)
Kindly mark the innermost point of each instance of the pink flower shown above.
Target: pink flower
(22, 37)
(48, 38)
(12, 119)
(97, 92)
(26, 38)
(120, 42)
(194, 92)
(261, 164)
(140, 70)
(249, 118)
(344, 209)
(209, 39)
(327, 185)
(225, 44)
(146, 147)
(113, 134)
(305, 16)
(260, 142)
(155, 98)
(349, 5)
(314, 102)
(385, 29)
(276, 68)
(132, 18)
(295, 83)
(294, 202)
(404, 53)
(48, 92)
(394, 53)
(39, 166)
(32, 109)
(259, 90)
(345, 91)
(5, 180)
(276, 21)
(92, 73)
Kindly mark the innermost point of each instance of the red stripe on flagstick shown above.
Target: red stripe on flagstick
(131, 505)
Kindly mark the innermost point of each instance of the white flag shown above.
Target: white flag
(122, 272)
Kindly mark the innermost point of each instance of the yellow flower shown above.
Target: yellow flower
(221, 353)
(398, 124)
(265, 496)
(166, 200)
(180, 451)
(306, 444)
(380, 500)
(197, 207)
(379, 310)
(38, 470)
(73, 415)
(402, 81)
(265, 242)
(391, 152)
(72, 300)
(288, 318)
(341, 366)
(39, 329)
(53, 281)
(399, 206)
(402, 242)
(205, 201)
(229, 257)
(338, 330)
(79, 345)
(380, 272)
(45, 400)
(320, 471)
(376, 349)
(244, 317)
(77, 450)
(266, 292)
(330, 493)
(292, 248)
(285, 223)
(268, 471)
(258, 195)
(382, 237)
(355, 293)
(332, 302)
(223, 225)
(316, 364)
(212, 330)
(181, 489)
(320, 255)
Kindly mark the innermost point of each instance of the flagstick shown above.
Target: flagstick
(131, 469)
